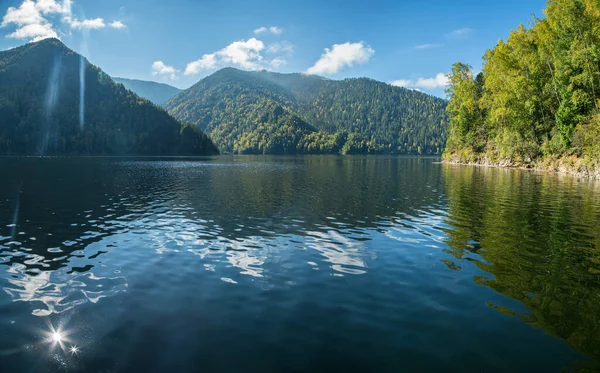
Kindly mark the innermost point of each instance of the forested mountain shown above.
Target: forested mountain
(538, 97)
(158, 93)
(348, 116)
(53, 101)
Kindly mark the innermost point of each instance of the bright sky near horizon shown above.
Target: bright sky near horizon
(411, 43)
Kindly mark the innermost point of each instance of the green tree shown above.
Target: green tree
(540, 92)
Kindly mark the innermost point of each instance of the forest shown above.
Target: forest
(54, 102)
(537, 98)
(269, 113)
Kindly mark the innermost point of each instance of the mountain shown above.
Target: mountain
(347, 116)
(53, 101)
(158, 93)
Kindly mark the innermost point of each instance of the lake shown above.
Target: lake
(281, 264)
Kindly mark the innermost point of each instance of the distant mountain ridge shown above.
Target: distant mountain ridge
(46, 108)
(334, 116)
(158, 93)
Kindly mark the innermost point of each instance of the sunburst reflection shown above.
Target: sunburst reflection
(58, 337)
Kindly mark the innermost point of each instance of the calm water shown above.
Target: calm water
(320, 264)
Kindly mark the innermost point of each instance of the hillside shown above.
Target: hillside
(158, 93)
(45, 109)
(537, 101)
(348, 116)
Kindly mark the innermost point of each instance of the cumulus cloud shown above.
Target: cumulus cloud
(246, 54)
(273, 30)
(402, 83)
(51, 7)
(429, 84)
(207, 62)
(26, 14)
(89, 24)
(33, 19)
(462, 33)
(340, 56)
(34, 32)
(29, 20)
(118, 25)
(159, 68)
(243, 53)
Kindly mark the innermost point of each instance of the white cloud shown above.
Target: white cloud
(26, 14)
(283, 47)
(277, 62)
(51, 7)
(402, 83)
(439, 81)
(245, 54)
(118, 25)
(340, 56)
(159, 68)
(89, 24)
(428, 46)
(34, 32)
(429, 84)
(29, 20)
(67, 6)
(260, 30)
(459, 34)
(273, 30)
(33, 19)
(207, 62)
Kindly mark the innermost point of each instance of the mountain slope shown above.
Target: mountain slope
(40, 111)
(365, 115)
(158, 93)
(243, 114)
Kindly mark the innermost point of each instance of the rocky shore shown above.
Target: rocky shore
(569, 165)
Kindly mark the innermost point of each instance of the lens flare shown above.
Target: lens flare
(81, 92)
(15, 220)
(57, 337)
(53, 86)
(52, 98)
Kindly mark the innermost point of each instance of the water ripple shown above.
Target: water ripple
(355, 259)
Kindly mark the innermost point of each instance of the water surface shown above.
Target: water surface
(271, 264)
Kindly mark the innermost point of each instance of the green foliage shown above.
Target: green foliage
(540, 89)
(157, 93)
(587, 137)
(39, 110)
(315, 115)
(465, 107)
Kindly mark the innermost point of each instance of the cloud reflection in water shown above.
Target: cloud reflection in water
(56, 292)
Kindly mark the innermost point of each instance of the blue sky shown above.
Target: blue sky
(411, 42)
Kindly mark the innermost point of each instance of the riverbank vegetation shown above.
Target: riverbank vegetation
(537, 101)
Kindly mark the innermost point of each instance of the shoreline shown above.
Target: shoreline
(571, 165)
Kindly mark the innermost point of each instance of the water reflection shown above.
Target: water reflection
(237, 210)
(343, 253)
(539, 238)
(59, 291)
(387, 250)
